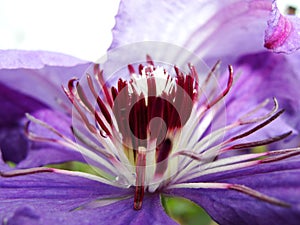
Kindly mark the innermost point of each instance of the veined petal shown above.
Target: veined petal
(51, 198)
(279, 180)
(207, 28)
(39, 74)
(14, 105)
(119, 213)
(283, 32)
(54, 199)
(55, 153)
(14, 144)
(264, 76)
(30, 81)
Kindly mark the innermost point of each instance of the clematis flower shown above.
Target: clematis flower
(156, 129)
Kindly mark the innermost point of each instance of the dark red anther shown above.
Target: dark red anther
(70, 95)
(99, 75)
(141, 67)
(101, 124)
(96, 68)
(114, 93)
(149, 60)
(71, 84)
(131, 69)
(121, 84)
(104, 111)
(101, 104)
(177, 71)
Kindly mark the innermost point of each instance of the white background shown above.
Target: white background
(80, 28)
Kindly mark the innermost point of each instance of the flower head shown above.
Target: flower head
(156, 128)
(160, 126)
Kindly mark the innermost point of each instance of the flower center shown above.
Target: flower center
(144, 114)
(151, 107)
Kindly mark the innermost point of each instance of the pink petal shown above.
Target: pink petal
(283, 32)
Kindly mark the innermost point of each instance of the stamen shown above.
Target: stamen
(258, 143)
(225, 92)
(258, 195)
(131, 69)
(236, 187)
(22, 172)
(211, 73)
(149, 60)
(237, 162)
(83, 98)
(72, 145)
(100, 103)
(243, 120)
(99, 76)
(258, 127)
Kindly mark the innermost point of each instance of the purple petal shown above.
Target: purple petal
(267, 75)
(119, 213)
(211, 28)
(279, 180)
(30, 81)
(22, 216)
(14, 105)
(283, 32)
(15, 59)
(51, 198)
(60, 199)
(55, 153)
(39, 74)
(14, 144)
